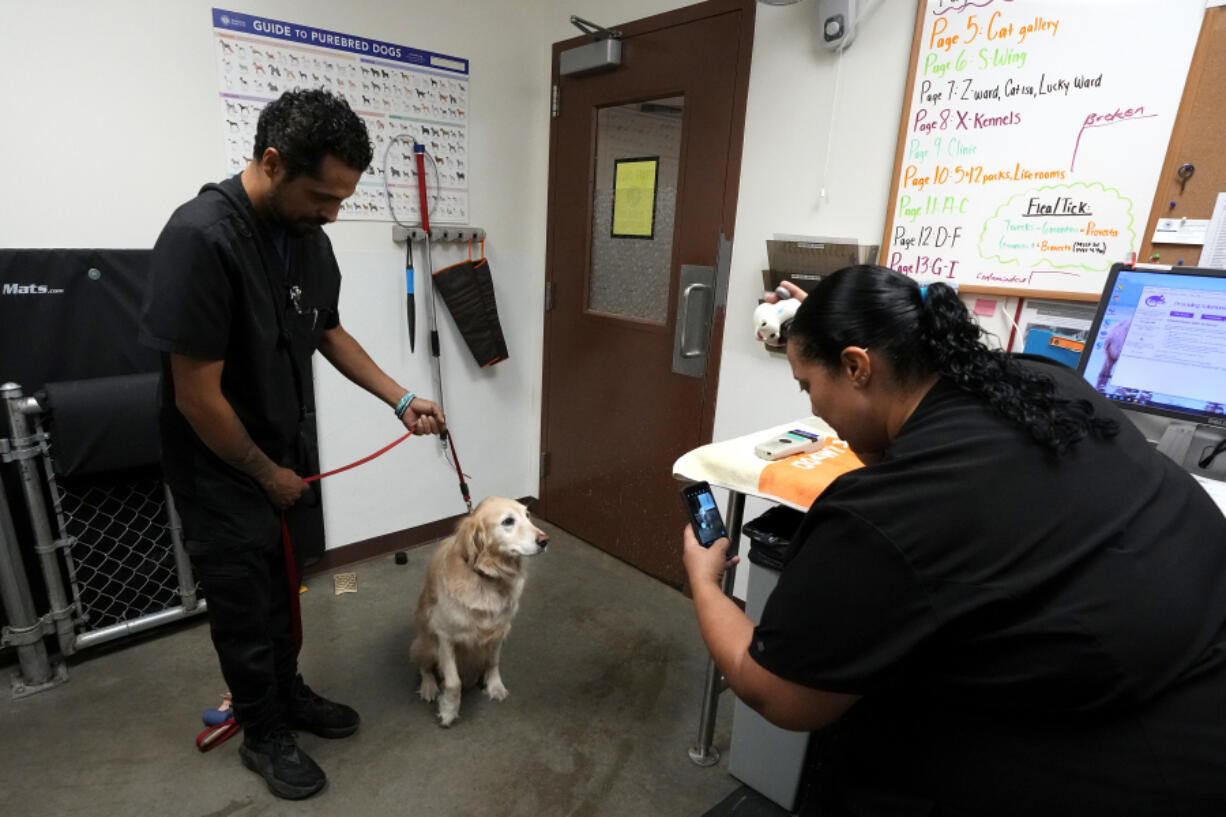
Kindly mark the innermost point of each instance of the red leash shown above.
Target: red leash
(291, 567)
(468, 503)
(214, 736)
(292, 582)
(362, 461)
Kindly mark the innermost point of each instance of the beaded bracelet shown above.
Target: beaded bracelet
(403, 405)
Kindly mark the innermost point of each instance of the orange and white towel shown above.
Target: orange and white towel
(795, 481)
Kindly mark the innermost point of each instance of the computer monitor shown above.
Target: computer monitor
(1158, 342)
(1158, 346)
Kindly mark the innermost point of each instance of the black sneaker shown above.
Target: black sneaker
(289, 772)
(312, 713)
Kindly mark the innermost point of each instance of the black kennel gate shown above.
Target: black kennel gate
(95, 539)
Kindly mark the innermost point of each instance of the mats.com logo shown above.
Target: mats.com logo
(1155, 300)
(29, 289)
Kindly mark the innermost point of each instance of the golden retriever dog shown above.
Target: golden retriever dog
(473, 584)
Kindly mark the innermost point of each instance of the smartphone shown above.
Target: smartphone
(704, 513)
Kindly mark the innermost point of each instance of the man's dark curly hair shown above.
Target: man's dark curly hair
(306, 125)
(880, 309)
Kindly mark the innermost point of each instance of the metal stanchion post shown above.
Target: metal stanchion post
(25, 448)
(25, 631)
(183, 566)
(703, 753)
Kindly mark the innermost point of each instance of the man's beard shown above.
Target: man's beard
(276, 213)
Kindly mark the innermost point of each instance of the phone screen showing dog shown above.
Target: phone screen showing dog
(704, 513)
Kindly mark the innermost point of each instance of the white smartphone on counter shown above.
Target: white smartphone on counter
(789, 443)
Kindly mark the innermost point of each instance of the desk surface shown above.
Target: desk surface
(795, 481)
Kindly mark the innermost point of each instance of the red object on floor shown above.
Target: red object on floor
(214, 736)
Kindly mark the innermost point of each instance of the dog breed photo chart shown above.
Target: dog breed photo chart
(397, 90)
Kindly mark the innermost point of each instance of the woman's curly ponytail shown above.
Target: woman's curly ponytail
(926, 330)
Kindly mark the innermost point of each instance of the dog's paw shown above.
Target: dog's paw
(495, 690)
(448, 707)
(428, 689)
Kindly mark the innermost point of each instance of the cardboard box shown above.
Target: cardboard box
(803, 260)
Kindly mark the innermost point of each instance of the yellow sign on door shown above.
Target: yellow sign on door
(634, 197)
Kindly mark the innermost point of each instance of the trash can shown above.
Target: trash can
(764, 757)
(771, 534)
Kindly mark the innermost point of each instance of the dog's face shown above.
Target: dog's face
(499, 531)
(508, 529)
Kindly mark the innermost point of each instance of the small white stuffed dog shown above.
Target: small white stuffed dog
(768, 320)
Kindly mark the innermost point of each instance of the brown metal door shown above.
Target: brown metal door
(644, 168)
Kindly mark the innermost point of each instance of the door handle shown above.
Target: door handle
(685, 318)
(690, 343)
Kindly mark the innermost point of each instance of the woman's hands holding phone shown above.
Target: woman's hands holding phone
(706, 564)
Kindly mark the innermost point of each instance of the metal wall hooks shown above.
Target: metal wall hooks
(458, 234)
(440, 233)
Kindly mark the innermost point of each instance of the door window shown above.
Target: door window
(638, 150)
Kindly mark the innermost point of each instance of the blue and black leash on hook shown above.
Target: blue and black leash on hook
(410, 305)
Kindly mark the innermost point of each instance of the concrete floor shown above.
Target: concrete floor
(604, 665)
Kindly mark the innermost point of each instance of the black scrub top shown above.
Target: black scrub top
(1032, 634)
(222, 288)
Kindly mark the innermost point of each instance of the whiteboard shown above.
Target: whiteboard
(1032, 136)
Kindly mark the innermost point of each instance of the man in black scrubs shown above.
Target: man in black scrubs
(244, 288)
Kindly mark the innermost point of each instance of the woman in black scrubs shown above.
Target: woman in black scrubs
(1017, 607)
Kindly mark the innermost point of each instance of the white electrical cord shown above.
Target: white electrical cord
(834, 106)
(1009, 317)
(1017, 330)
(861, 13)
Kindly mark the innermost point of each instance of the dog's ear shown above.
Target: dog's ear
(470, 536)
(490, 563)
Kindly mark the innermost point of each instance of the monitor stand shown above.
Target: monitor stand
(1186, 443)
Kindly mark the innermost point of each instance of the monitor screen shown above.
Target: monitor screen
(1158, 342)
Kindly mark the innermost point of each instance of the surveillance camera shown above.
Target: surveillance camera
(837, 19)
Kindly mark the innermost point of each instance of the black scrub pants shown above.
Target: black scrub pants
(247, 592)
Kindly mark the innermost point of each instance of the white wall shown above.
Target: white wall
(815, 120)
(111, 122)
